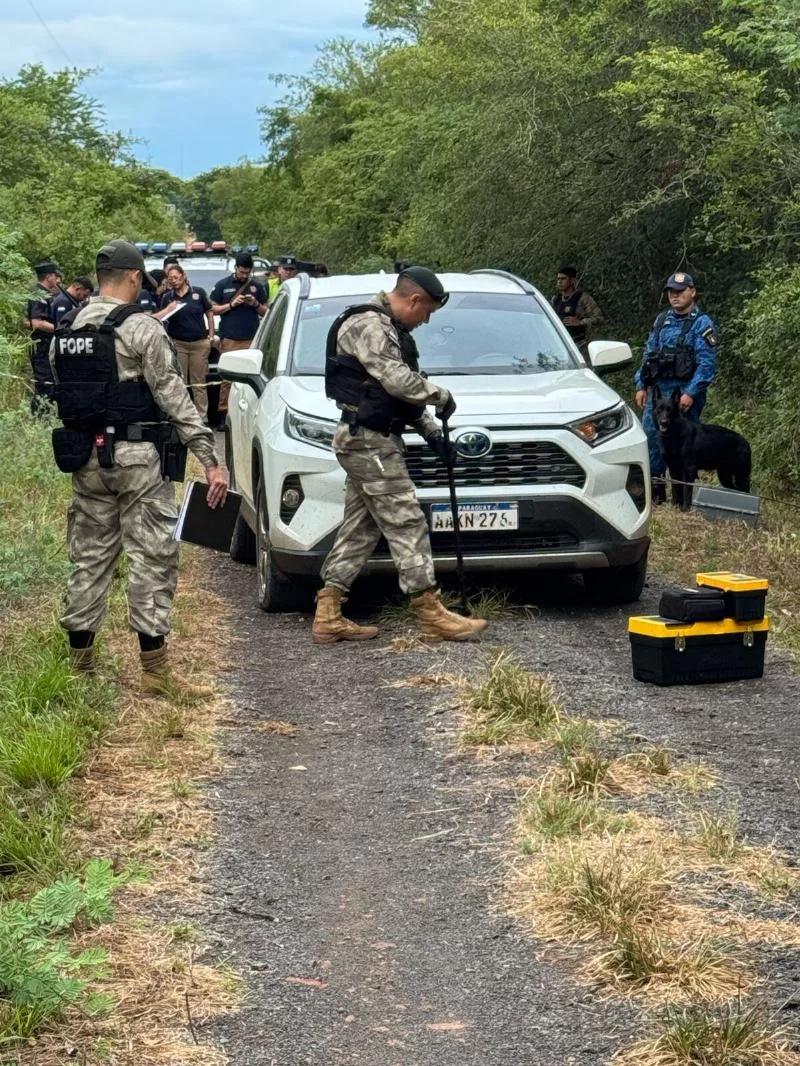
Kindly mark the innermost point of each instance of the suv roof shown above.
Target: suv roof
(359, 284)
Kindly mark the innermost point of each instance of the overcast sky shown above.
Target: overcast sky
(185, 78)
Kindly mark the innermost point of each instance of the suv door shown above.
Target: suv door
(268, 340)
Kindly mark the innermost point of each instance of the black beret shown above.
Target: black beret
(427, 280)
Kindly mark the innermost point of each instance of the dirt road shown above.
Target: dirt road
(359, 859)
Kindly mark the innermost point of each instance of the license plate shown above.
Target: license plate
(475, 517)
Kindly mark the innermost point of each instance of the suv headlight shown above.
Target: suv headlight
(599, 428)
(315, 431)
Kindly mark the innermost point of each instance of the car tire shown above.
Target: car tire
(277, 593)
(243, 541)
(617, 584)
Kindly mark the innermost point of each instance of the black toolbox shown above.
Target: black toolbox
(666, 652)
(692, 605)
(745, 596)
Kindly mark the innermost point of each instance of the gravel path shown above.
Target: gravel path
(357, 859)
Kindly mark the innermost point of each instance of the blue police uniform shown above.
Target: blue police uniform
(696, 331)
(148, 300)
(241, 322)
(61, 304)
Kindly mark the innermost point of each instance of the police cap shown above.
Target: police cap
(289, 261)
(427, 281)
(122, 255)
(680, 281)
(41, 270)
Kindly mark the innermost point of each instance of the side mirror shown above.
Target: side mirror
(609, 355)
(244, 367)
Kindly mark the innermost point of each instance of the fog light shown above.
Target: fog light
(291, 498)
(635, 486)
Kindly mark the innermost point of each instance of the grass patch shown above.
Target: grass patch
(33, 502)
(490, 604)
(726, 1036)
(603, 895)
(550, 814)
(510, 704)
(641, 959)
(573, 736)
(719, 835)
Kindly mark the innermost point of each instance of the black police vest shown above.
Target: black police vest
(89, 394)
(568, 308)
(347, 381)
(675, 361)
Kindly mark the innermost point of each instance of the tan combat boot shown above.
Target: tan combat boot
(330, 625)
(436, 623)
(82, 660)
(158, 679)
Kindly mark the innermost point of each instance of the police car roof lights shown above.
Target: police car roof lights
(159, 246)
(198, 246)
(252, 248)
(143, 246)
(178, 246)
(219, 246)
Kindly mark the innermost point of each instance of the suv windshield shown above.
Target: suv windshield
(474, 333)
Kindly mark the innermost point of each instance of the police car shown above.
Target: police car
(552, 468)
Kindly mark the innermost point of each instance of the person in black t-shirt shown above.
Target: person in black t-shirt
(241, 302)
(188, 319)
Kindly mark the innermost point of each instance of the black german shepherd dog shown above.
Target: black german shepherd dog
(689, 446)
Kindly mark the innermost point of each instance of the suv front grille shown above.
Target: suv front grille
(503, 543)
(538, 462)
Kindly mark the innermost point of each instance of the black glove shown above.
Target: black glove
(446, 452)
(447, 407)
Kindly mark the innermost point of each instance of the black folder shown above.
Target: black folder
(210, 527)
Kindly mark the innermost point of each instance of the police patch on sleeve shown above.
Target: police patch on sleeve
(710, 337)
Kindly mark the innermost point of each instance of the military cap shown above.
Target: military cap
(680, 281)
(41, 270)
(122, 255)
(427, 281)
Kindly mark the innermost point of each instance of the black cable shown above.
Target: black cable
(50, 33)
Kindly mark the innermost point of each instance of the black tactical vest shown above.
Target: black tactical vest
(676, 361)
(347, 381)
(568, 308)
(89, 394)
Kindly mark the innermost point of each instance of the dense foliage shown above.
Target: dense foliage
(632, 137)
(66, 183)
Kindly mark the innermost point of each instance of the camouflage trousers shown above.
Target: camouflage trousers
(380, 500)
(128, 508)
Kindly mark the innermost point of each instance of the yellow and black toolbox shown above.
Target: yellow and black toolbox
(666, 652)
(745, 596)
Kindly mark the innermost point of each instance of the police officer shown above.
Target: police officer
(48, 279)
(69, 299)
(120, 395)
(288, 265)
(240, 301)
(576, 309)
(681, 351)
(372, 372)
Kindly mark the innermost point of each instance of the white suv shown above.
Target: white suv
(552, 470)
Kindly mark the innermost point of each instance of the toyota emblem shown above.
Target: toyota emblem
(473, 444)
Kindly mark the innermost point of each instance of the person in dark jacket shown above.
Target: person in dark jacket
(576, 309)
(48, 285)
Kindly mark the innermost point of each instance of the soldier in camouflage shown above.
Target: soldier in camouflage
(129, 506)
(372, 371)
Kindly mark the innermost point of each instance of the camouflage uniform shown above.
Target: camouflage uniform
(130, 507)
(380, 496)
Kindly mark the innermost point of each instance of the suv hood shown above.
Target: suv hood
(489, 399)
